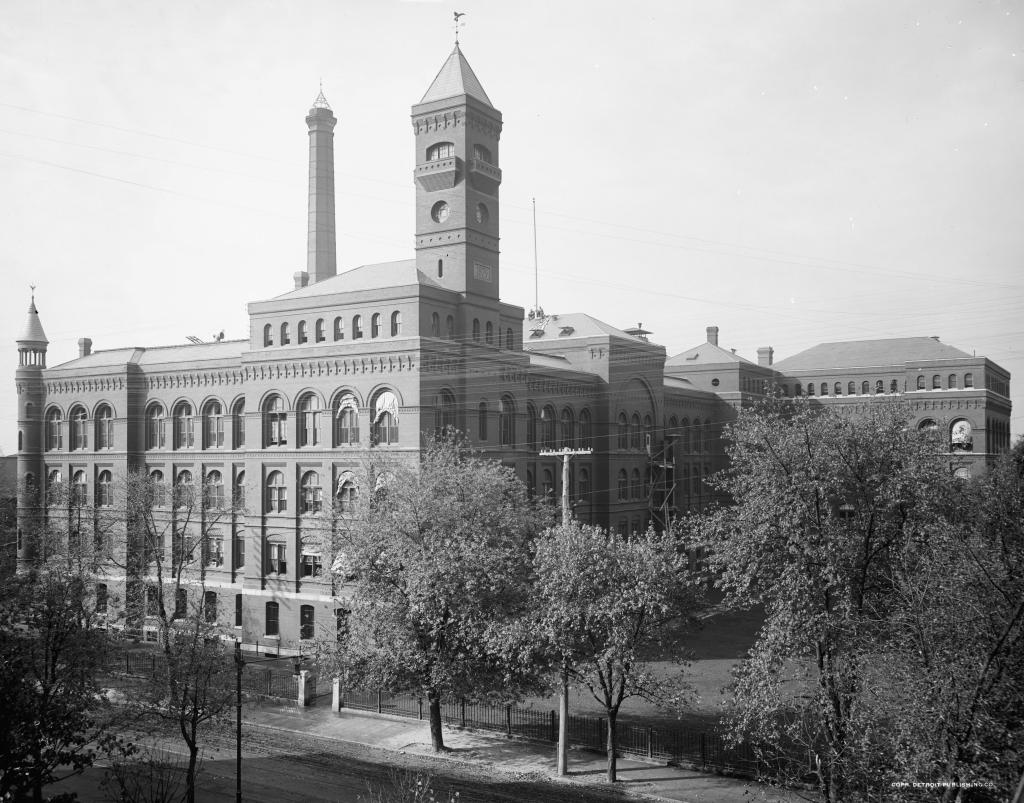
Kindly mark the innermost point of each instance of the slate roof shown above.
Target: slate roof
(33, 331)
(456, 78)
(158, 355)
(400, 273)
(870, 354)
(556, 327)
(706, 354)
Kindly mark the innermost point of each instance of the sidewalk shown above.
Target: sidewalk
(516, 756)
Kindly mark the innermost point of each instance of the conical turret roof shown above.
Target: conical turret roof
(33, 331)
(456, 78)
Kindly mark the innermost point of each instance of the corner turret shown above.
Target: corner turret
(31, 397)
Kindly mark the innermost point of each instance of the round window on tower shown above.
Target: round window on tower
(440, 212)
(482, 215)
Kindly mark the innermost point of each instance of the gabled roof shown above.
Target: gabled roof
(706, 354)
(870, 353)
(366, 277)
(33, 331)
(567, 326)
(456, 78)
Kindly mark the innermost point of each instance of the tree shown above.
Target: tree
(865, 550)
(603, 603)
(166, 553)
(56, 724)
(438, 557)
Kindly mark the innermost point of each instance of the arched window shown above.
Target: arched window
(634, 431)
(79, 489)
(346, 421)
(238, 424)
(798, 389)
(894, 386)
(507, 421)
(104, 490)
(824, 388)
(927, 425)
(303, 332)
(79, 428)
(156, 427)
(476, 330)
(184, 490)
(684, 435)
(449, 327)
(285, 336)
(53, 489)
(968, 380)
(312, 493)
(851, 388)
(531, 484)
(879, 386)
(445, 413)
(586, 429)
(157, 489)
(481, 153)
(489, 334)
(548, 486)
(648, 431)
(698, 436)
(440, 150)
(435, 325)
(104, 427)
(531, 426)
(636, 487)
(583, 487)
(277, 493)
(213, 425)
(385, 419)
(273, 627)
(309, 420)
(936, 382)
(318, 331)
(623, 485)
(568, 427)
(184, 426)
(951, 383)
(275, 422)
(357, 327)
(810, 388)
(210, 606)
(838, 389)
(213, 491)
(547, 423)
(54, 439)
(396, 323)
(268, 335)
(865, 388)
(510, 341)
(238, 492)
(348, 493)
(339, 328)
(306, 629)
(622, 426)
(481, 421)
(920, 382)
(375, 325)
(960, 437)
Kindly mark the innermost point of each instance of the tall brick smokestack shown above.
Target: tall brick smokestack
(322, 256)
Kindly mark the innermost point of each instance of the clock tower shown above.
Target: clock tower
(457, 179)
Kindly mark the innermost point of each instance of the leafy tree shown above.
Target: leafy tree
(438, 558)
(868, 556)
(603, 603)
(56, 724)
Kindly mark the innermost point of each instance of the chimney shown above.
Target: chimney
(301, 279)
(713, 335)
(765, 355)
(84, 346)
(321, 254)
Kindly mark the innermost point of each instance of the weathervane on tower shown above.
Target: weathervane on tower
(456, 15)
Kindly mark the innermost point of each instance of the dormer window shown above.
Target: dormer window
(440, 150)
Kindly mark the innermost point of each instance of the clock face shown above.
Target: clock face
(482, 215)
(440, 212)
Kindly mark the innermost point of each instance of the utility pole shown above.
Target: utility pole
(563, 701)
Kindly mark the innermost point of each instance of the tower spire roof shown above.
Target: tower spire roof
(33, 331)
(456, 78)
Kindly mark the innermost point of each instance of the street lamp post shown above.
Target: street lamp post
(239, 664)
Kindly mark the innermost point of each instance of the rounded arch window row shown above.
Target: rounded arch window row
(333, 329)
(874, 387)
(81, 427)
(312, 424)
(485, 333)
(529, 425)
(342, 493)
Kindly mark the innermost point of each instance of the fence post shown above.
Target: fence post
(419, 703)
(508, 719)
(703, 751)
(650, 742)
(463, 712)
(553, 736)
(336, 694)
(380, 706)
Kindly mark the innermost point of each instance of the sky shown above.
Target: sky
(792, 172)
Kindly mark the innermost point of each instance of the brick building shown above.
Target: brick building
(378, 355)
